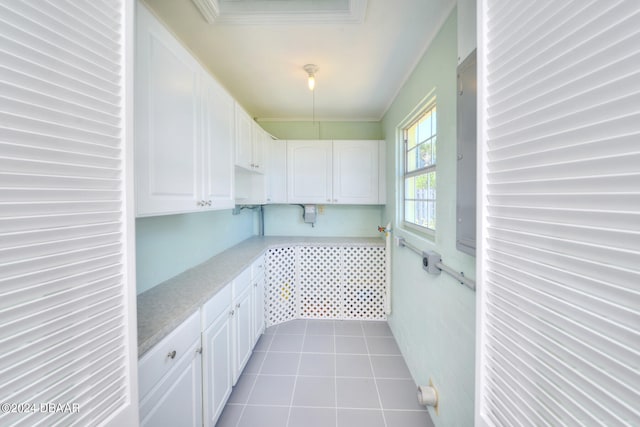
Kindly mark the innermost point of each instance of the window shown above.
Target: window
(420, 171)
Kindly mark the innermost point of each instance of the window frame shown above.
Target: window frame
(427, 106)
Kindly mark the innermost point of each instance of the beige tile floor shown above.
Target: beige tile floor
(325, 373)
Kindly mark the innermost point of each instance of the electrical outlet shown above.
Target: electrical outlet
(320, 210)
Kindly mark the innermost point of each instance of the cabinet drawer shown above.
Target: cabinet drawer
(161, 358)
(241, 283)
(217, 305)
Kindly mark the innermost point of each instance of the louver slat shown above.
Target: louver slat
(559, 322)
(64, 329)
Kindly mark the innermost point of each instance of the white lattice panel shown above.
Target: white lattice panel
(316, 282)
(281, 285)
(319, 284)
(363, 283)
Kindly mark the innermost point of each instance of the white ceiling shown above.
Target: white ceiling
(362, 66)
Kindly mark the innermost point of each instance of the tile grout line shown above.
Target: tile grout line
(375, 382)
(335, 372)
(253, 386)
(295, 381)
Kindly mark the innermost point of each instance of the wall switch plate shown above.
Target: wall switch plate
(430, 259)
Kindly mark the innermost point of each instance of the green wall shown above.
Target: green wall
(433, 317)
(323, 130)
(334, 220)
(168, 245)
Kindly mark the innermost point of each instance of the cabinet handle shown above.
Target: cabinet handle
(232, 312)
(199, 203)
(172, 354)
(238, 305)
(335, 200)
(329, 200)
(199, 350)
(208, 202)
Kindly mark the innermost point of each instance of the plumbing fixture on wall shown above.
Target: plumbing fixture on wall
(428, 395)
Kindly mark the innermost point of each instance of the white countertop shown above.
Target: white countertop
(163, 307)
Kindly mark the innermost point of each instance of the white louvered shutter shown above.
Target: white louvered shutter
(67, 315)
(559, 293)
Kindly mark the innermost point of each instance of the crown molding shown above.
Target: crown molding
(210, 9)
(216, 13)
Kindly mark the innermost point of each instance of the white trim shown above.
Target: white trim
(481, 211)
(247, 14)
(427, 103)
(210, 9)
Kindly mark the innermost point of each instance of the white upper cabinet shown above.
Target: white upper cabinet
(250, 142)
(218, 136)
(244, 139)
(337, 172)
(258, 147)
(184, 128)
(166, 107)
(309, 171)
(355, 172)
(276, 155)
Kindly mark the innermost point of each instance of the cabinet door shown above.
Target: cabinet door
(177, 399)
(218, 133)
(166, 112)
(258, 142)
(276, 155)
(243, 331)
(355, 172)
(244, 141)
(258, 299)
(218, 367)
(309, 166)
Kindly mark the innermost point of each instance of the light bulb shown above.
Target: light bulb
(311, 70)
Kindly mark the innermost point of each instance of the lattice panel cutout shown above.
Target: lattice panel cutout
(281, 285)
(319, 285)
(363, 283)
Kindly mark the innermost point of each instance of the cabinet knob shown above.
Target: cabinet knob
(232, 312)
(238, 305)
(335, 200)
(172, 354)
(208, 202)
(329, 200)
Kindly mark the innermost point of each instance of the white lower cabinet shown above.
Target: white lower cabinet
(187, 377)
(242, 322)
(170, 379)
(217, 354)
(257, 297)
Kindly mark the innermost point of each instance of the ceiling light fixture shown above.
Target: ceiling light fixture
(311, 70)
